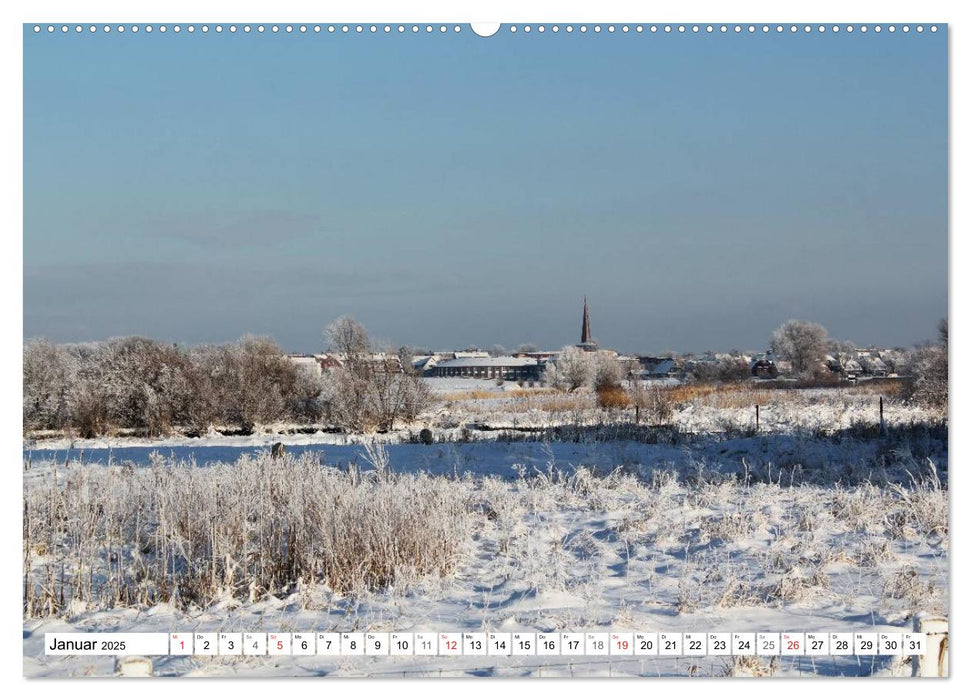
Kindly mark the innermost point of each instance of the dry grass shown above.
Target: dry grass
(722, 395)
(612, 397)
(114, 537)
(889, 388)
(182, 534)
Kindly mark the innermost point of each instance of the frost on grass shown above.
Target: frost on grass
(303, 545)
(173, 532)
(177, 533)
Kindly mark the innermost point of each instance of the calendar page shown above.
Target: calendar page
(425, 349)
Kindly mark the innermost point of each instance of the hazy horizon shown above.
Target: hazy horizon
(450, 190)
(383, 342)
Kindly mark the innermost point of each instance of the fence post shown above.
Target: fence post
(756, 418)
(883, 426)
(934, 661)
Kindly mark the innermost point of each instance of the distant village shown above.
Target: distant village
(528, 365)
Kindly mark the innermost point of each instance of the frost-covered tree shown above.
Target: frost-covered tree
(406, 356)
(153, 387)
(350, 387)
(87, 400)
(369, 391)
(802, 343)
(571, 370)
(928, 370)
(144, 383)
(607, 372)
(266, 379)
(49, 374)
(349, 339)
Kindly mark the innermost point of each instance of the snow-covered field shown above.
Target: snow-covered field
(819, 410)
(533, 511)
(573, 550)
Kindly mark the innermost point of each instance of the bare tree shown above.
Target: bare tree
(406, 356)
(267, 379)
(802, 343)
(928, 369)
(89, 407)
(350, 341)
(370, 390)
(418, 398)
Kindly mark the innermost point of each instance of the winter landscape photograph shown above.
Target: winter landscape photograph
(571, 345)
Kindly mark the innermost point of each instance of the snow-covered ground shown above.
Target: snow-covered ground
(820, 521)
(826, 410)
(659, 547)
(802, 457)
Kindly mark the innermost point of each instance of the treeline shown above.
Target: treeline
(153, 387)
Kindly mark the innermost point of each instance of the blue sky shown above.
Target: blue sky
(450, 190)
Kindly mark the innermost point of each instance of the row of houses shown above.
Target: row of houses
(478, 364)
(507, 368)
(471, 364)
(863, 362)
(530, 366)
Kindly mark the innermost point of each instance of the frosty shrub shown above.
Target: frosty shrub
(89, 407)
(571, 370)
(607, 372)
(611, 397)
(143, 383)
(48, 375)
(607, 376)
(152, 387)
(178, 533)
(656, 401)
(600, 371)
(928, 372)
(370, 390)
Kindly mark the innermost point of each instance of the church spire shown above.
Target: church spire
(586, 338)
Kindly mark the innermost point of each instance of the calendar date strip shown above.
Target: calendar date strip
(443, 644)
